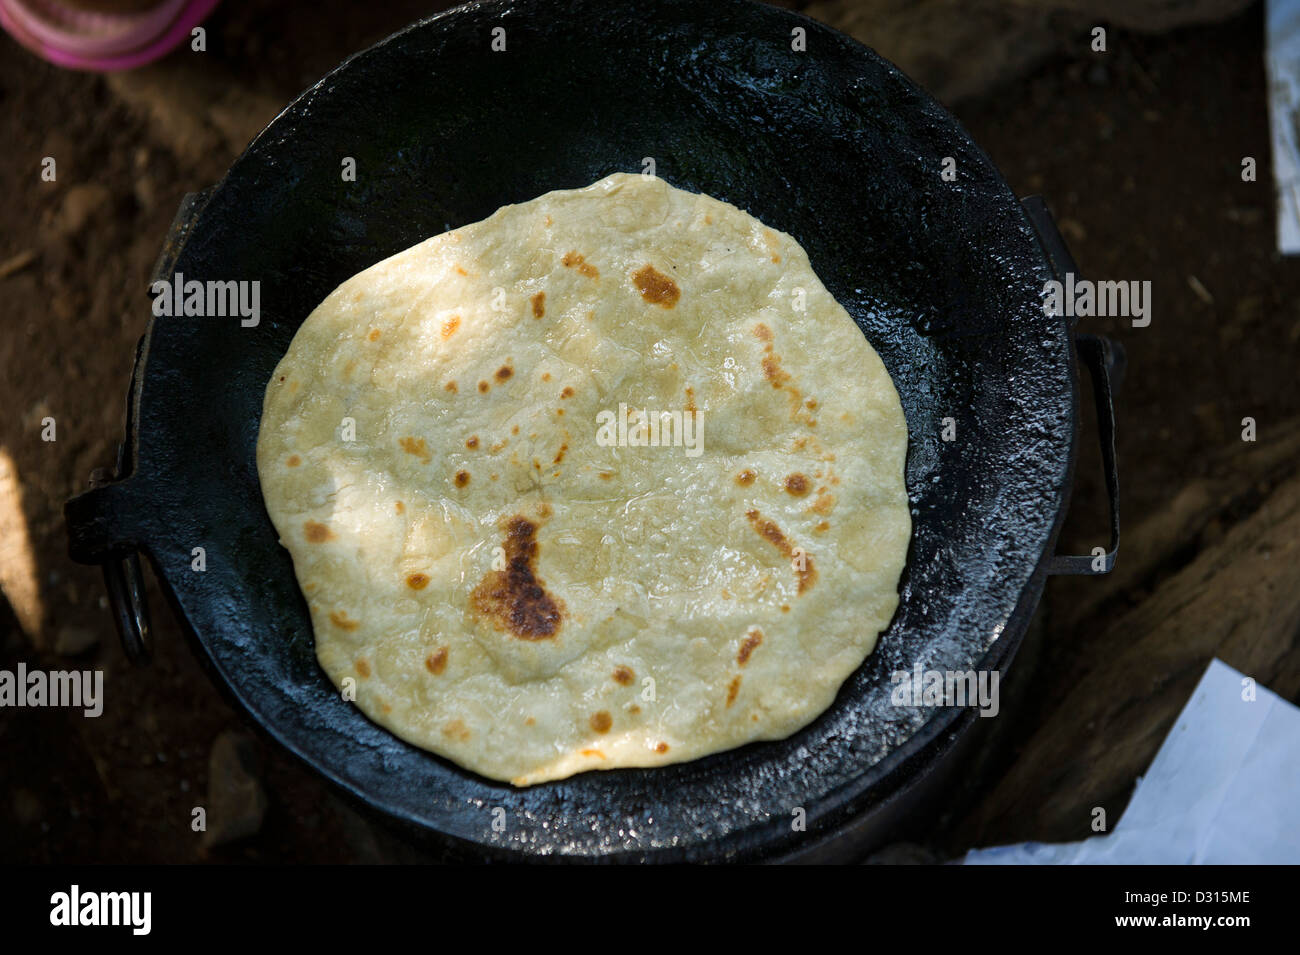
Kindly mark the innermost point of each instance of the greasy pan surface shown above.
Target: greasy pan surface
(831, 145)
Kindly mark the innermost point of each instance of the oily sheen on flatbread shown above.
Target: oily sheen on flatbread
(507, 567)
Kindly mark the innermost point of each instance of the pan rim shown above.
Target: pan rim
(743, 840)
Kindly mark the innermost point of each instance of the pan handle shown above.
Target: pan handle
(99, 528)
(98, 534)
(1105, 361)
(124, 578)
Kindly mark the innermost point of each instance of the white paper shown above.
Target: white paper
(1283, 64)
(1224, 789)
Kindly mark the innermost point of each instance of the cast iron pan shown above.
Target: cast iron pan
(832, 145)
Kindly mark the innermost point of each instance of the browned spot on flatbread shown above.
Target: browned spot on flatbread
(459, 269)
(504, 372)
(293, 461)
(690, 400)
(773, 371)
(601, 721)
(400, 507)
(775, 374)
(417, 581)
(566, 392)
(594, 752)
(456, 730)
(539, 304)
(623, 675)
(513, 599)
(343, 622)
(374, 334)
(559, 455)
(824, 503)
(417, 447)
(449, 326)
(546, 376)
(732, 690)
(746, 477)
(655, 287)
(634, 709)
(462, 478)
(450, 386)
(317, 533)
(572, 260)
(770, 532)
(472, 442)
(363, 668)
(748, 645)
(483, 387)
(797, 484)
(436, 662)
(773, 243)
(661, 748)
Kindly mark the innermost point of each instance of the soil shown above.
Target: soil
(1138, 152)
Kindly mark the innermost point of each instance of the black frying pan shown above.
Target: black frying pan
(832, 145)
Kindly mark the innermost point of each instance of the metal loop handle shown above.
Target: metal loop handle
(99, 532)
(124, 578)
(1105, 361)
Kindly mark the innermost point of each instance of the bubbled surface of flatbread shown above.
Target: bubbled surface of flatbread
(502, 587)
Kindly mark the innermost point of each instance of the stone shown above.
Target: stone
(237, 802)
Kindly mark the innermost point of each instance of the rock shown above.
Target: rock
(236, 800)
(82, 203)
(71, 641)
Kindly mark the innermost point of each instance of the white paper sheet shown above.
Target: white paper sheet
(1224, 788)
(1282, 59)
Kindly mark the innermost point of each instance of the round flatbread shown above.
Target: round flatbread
(607, 479)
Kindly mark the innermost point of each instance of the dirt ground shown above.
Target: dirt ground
(1138, 153)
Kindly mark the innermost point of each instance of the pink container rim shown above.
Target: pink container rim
(86, 40)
